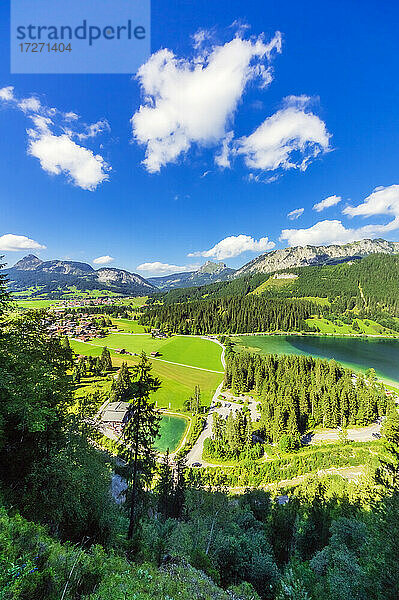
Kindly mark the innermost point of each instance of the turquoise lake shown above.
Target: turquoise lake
(171, 432)
(360, 354)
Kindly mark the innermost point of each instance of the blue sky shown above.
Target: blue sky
(308, 116)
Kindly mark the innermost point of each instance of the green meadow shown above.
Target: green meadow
(36, 303)
(128, 326)
(193, 351)
(366, 326)
(178, 382)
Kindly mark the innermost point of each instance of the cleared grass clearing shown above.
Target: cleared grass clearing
(366, 326)
(272, 283)
(128, 326)
(178, 382)
(37, 303)
(195, 352)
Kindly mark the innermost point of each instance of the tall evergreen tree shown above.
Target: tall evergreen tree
(140, 432)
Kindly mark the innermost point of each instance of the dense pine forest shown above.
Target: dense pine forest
(371, 283)
(231, 315)
(299, 392)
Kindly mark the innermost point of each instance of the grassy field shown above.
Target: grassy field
(178, 382)
(366, 326)
(128, 326)
(272, 284)
(195, 352)
(36, 303)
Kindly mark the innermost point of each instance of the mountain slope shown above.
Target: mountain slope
(210, 272)
(302, 256)
(57, 276)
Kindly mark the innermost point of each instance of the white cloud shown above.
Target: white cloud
(52, 143)
(326, 203)
(223, 158)
(59, 154)
(94, 129)
(235, 245)
(7, 93)
(103, 260)
(295, 214)
(14, 243)
(164, 268)
(289, 139)
(31, 104)
(323, 232)
(193, 101)
(382, 201)
(71, 116)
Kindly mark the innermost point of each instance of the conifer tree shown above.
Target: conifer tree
(140, 431)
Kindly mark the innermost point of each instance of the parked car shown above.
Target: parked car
(197, 464)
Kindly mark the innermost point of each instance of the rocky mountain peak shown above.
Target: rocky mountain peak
(212, 267)
(28, 263)
(302, 256)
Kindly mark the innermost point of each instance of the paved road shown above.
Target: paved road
(365, 434)
(195, 454)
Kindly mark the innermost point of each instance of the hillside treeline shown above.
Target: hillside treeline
(231, 315)
(298, 392)
(370, 284)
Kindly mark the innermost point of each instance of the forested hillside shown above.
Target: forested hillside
(231, 315)
(367, 288)
(372, 282)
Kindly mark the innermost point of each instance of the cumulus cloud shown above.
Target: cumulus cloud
(50, 140)
(193, 101)
(60, 154)
(382, 201)
(103, 260)
(7, 93)
(235, 245)
(323, 232)
(289, 139)
(326, 203)
(160, 268)
(295, 214)
(14, 243)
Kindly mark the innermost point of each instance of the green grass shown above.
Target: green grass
(195, 352)
(36, 303)
(178, 382)
(366, 326)
(272, 284)
(315, 299)
(128, 326)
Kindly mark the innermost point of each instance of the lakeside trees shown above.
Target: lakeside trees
(298, 392)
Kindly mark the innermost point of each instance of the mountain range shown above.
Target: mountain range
(305, 256)
(210, 272)
(58, 276)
